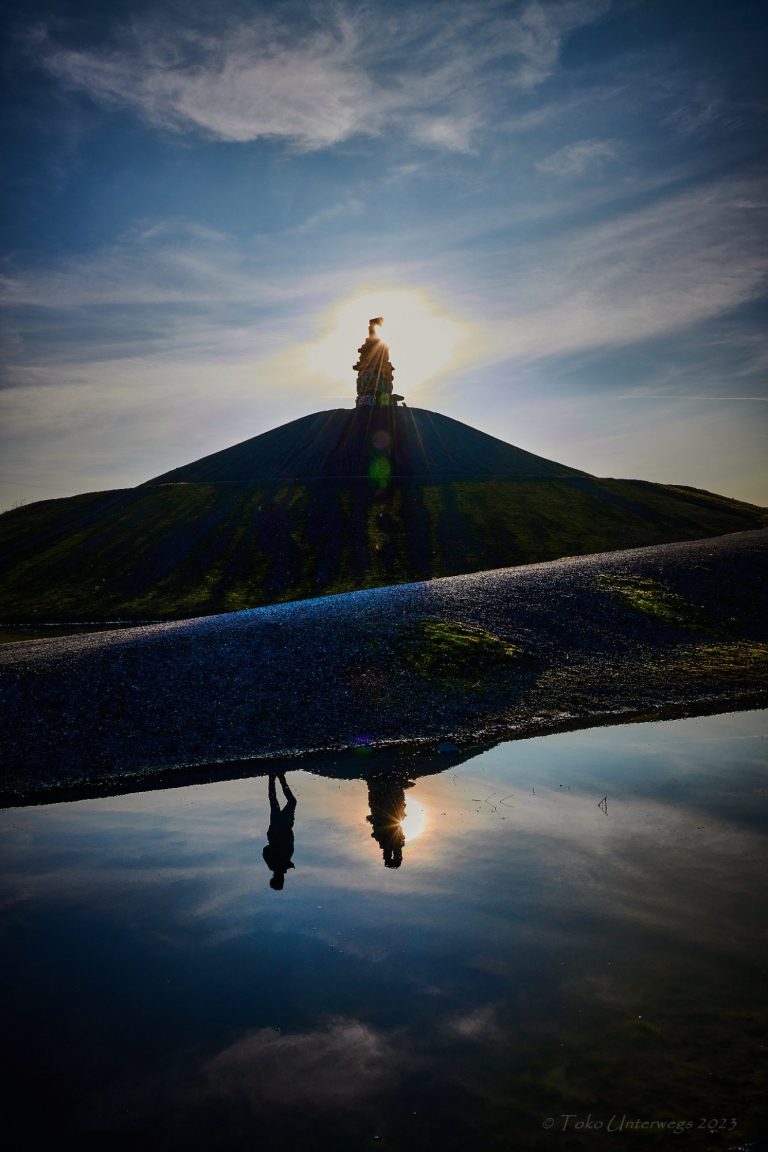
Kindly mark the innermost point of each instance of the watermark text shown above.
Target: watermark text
(575, 1122)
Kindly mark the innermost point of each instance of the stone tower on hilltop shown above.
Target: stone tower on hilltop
(374, 371)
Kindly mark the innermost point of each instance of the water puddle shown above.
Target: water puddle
(546, 945)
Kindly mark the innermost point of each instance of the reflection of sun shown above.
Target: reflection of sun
(414, 822)
(422, 341)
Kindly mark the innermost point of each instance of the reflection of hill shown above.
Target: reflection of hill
(293, 513)
(401, 762)
(377, 768)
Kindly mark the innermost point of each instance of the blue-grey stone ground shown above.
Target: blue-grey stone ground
(331, 673)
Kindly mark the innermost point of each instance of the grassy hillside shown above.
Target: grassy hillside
(168, 551)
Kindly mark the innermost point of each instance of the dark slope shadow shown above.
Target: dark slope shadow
(338, 443)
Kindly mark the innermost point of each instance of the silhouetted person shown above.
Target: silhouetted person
(387, 802)
(279, 850)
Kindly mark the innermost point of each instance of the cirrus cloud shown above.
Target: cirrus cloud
(577, 158)
(435, 74)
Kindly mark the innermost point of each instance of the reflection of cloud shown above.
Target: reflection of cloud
(333, 1066)
(321, 81)
(330, 1070)
(479, 1026)
(681, 873)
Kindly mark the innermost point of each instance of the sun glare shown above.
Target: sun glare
(415, 820)
(422, 340)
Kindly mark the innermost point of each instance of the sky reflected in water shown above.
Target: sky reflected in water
(450, 962)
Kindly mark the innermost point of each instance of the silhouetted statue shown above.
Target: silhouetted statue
(374, 370)
(386, 798)
(279, 850)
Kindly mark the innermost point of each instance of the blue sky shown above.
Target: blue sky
(565, 197)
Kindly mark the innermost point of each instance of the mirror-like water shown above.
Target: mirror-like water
(559, 943)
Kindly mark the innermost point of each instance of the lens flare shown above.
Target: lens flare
(380, 470)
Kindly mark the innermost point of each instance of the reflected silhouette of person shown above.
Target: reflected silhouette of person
(386, 798)
(279, 849)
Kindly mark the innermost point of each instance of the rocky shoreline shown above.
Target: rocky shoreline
(674, 629)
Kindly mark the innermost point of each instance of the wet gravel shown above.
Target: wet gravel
(330, 673)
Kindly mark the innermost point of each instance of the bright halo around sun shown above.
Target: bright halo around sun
(415, 820)
(422, 341)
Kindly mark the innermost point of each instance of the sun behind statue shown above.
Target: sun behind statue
(374, 370)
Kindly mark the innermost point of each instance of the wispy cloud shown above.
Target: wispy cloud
(680, 261)
(153, 264)
(698, 104)
(169, 307)
(578, 158)
(435, 72)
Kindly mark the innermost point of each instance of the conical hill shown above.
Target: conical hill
(332, 502)
(342, 443)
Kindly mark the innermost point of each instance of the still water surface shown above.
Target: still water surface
(514, 965)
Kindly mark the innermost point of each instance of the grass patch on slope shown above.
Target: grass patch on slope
(459, 654)
(653, 599)
(728, 663)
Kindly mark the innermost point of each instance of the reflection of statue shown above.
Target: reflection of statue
(279, 850)
(386, 798)
(374, 370)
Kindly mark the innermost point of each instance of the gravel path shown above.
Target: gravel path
(335, 672)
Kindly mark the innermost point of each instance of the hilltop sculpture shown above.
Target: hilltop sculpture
(374, 371)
